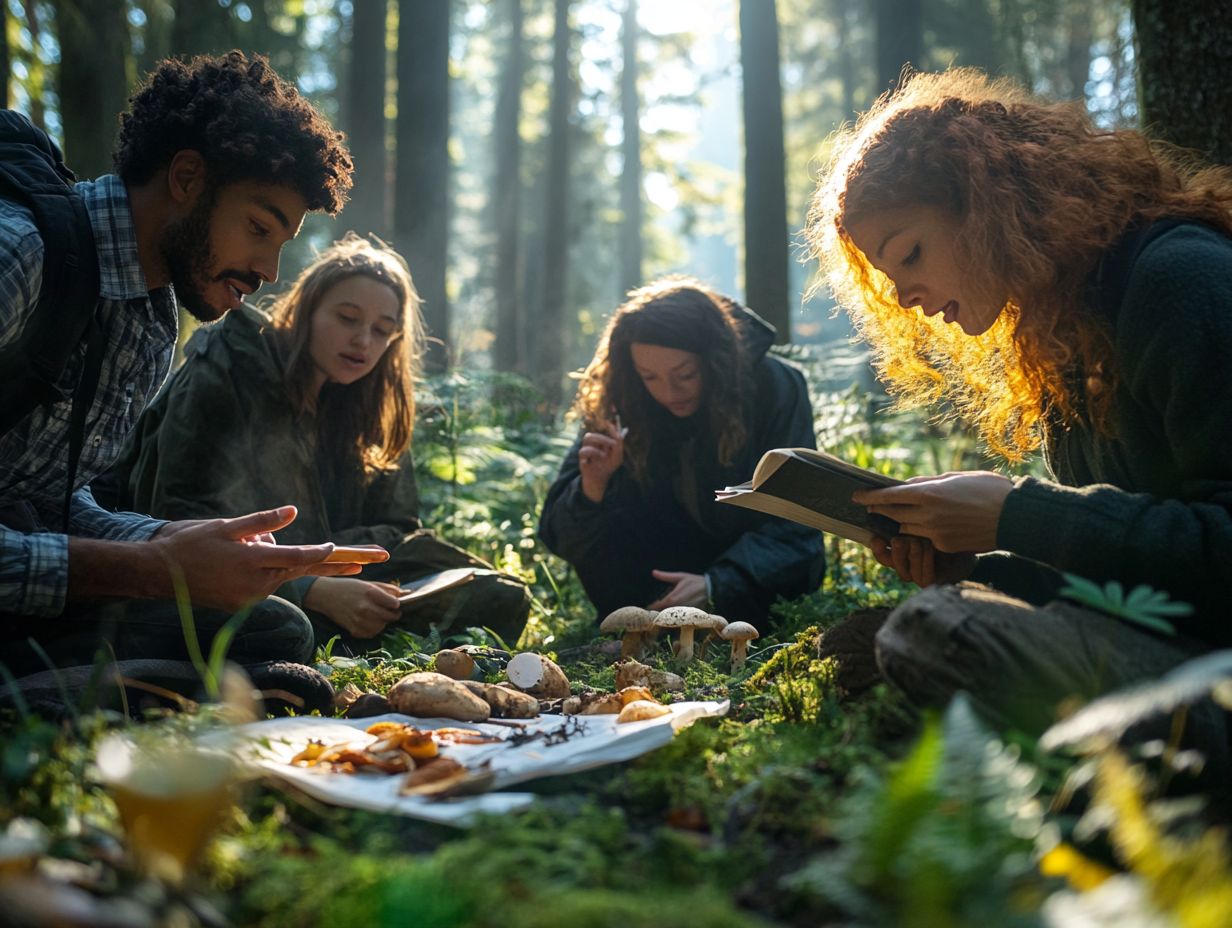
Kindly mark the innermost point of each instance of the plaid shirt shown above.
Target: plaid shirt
(140, 331)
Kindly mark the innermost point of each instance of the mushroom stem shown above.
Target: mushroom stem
(631, 645)
(739, 652)
(684, 652)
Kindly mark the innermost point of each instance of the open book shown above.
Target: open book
(814, 489)
(425, 587)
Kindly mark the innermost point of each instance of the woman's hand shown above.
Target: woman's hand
(958, 513)
(687, 590)
(361, 607)
(917, 561)
(601, 455)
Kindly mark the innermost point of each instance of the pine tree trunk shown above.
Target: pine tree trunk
(631, 151)
(1078, 54)
(367, 210)
(6, 62)
(93, 78)
(549, 328)
(1184, 54)
(201, 28)
(509, 349)
(422, 173)
(900, 39)
(765, 184)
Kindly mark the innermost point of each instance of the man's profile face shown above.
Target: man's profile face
(229, 243)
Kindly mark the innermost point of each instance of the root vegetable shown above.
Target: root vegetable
(505, 702)
(434, 695)
(535, 674)
(455, 664)
(641, 709)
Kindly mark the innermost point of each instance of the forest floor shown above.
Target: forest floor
(809, 803)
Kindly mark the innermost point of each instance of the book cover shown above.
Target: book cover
(814, 489)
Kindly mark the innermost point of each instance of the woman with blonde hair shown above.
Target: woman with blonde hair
(681, 399)
(1063, 287)
(312, 401)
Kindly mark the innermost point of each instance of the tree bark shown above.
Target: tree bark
(367, 210)
(631, 151)
(1078, 54)
(422, 171)
(155, 34)
(92, 79)
(765, 183)
(201, 28)
(509, 351)
(6, 62)
(900, 39)
(549, 329)
(38, 108)
(1184, 54)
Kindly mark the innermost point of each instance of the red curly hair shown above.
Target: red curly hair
(1040, 195)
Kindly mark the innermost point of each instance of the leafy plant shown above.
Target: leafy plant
(1143, 605)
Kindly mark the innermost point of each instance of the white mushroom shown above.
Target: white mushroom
(684, 619)
(538, 675)
(633, 622)
(739, 634)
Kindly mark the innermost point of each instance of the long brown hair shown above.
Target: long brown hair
(1040, 195)
(674, 312)
(372, 419)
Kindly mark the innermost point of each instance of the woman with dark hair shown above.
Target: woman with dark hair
(313, 403)
(1065, 287)
(679, 400)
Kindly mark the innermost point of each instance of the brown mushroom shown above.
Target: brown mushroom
(739, 634)
(633, 622)
(455, 664)
(538, 675)
(641, 709)
(712, 628)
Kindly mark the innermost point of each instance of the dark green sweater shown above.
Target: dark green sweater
(1153, 503)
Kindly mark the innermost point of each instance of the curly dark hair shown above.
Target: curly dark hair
(248, 123)
(1041, 194)
(676, 312)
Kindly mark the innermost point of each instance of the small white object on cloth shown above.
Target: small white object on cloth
(596, 740)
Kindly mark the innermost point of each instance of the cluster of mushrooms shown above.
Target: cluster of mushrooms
(639, 626)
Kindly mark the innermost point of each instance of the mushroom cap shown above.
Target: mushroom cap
(740, 631)
(628, 619)
(716, 622)
(681, 616)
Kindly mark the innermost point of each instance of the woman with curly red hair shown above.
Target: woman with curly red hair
(1060, 286)
(681, 398)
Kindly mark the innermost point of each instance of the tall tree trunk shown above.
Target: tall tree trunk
(900, 39)
(155, 34)
(509, 350)
(1078, 52)
(6, 63)
(422, 175)
(92, 79)
(631, 151)
(765, 183)
(846, 66)
(201, 27)
(549, 328)
(1184, 54)
(38, 108)
(367, 210)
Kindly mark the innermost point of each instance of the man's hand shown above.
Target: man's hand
(360, 607)
(601, 455)
(917, 561)
(958, 513)
(687, 590)
(228, 563)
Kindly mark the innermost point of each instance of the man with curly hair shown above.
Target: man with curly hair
(218, 162)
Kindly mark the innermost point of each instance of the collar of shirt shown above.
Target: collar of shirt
(115, 238)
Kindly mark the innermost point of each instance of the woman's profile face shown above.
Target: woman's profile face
(352, 326)
(914, 247)
(671, 376)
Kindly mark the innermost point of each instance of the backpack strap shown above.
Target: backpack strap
(33, 174)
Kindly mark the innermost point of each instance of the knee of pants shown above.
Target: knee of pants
(275, 630)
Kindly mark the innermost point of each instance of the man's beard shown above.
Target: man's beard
(185, 247)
